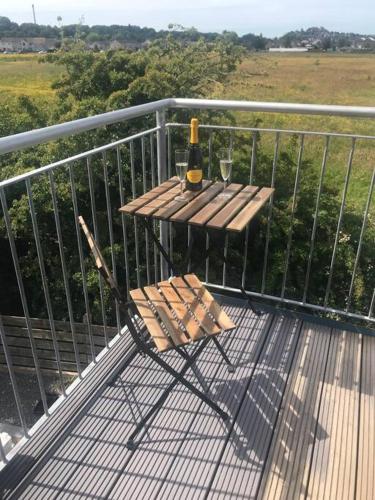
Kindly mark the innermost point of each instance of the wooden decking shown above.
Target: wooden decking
(302, 407)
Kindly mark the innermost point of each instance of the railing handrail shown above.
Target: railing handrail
(39, 136)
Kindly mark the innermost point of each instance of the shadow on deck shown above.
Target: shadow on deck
(301, 406)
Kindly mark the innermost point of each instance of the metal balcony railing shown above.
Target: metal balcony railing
(281, 258)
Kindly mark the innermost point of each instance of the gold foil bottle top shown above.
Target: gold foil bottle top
(194, 131)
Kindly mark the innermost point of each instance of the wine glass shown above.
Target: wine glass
(226, 159)
(181, 160)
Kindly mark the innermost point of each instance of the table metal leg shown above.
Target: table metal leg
(171, 267)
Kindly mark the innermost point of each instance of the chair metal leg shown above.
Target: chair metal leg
(231, 368)
(182, 352)
(178, 377)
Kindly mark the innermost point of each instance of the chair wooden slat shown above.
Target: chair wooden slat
(175, 331)
(250, 210)
(99, 260)
(181, 311)
(210, 303)
(160, 338)
(209, 210)
(137, 203)
(226, 214)
(197, 203)
(173, 206)
(195, 306)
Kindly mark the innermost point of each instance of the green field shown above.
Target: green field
(24, 75)
(346, 79)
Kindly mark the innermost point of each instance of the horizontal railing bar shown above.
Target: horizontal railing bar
(292, 302)
(79, 156)
(272, 130)
(275, 107)
(39, 136)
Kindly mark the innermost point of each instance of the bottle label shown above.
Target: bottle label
(194, 176)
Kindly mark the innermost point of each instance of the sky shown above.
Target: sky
(270, 17)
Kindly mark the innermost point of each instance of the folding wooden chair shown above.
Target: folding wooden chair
(175, 313)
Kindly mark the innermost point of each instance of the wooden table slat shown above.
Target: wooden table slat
(197, 203)
(133, 205)
(194, 304)
(226, 214)
(208, 211)
(152, 324)
(250, 210)
(181, 311)
(166, 203)
(221, 318)
(176, 333)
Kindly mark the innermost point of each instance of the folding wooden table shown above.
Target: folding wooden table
(205, 208)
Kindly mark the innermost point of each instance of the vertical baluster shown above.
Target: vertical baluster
(12, 376)
(363, 228)
(207, 256)
(189, 245)
(23, 300)
(270, 208)
(170, 227)
(294, 205)
(246, 240)
(231, 141)
(123, 221)
(144, 177)
(209, 173)
(371, 308)
(134, 194)
(43, 274)
(169, 150)
(153, 184)
(342, 209)
(253, 158)
(81, 262)
(110, 231)
(64, 270)
(316, 215)
(162, 174)
(97, 237)
(225, 259)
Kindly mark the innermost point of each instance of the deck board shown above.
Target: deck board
(284, 473)
(333, 465)
(301, 402)
(241, 467)
(366, 444)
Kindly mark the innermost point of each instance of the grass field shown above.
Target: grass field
(24, 75)
(346, 79)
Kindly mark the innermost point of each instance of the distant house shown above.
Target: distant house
(27, 44)
(291, 49)
(115, 45)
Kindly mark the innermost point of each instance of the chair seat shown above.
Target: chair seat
(179, 311)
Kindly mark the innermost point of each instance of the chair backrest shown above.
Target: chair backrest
(100, 262)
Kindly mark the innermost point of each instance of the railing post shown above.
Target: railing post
(162, 176)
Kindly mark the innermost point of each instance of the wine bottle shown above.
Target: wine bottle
(194, 171)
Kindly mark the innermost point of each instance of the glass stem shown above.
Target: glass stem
(181, 186)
